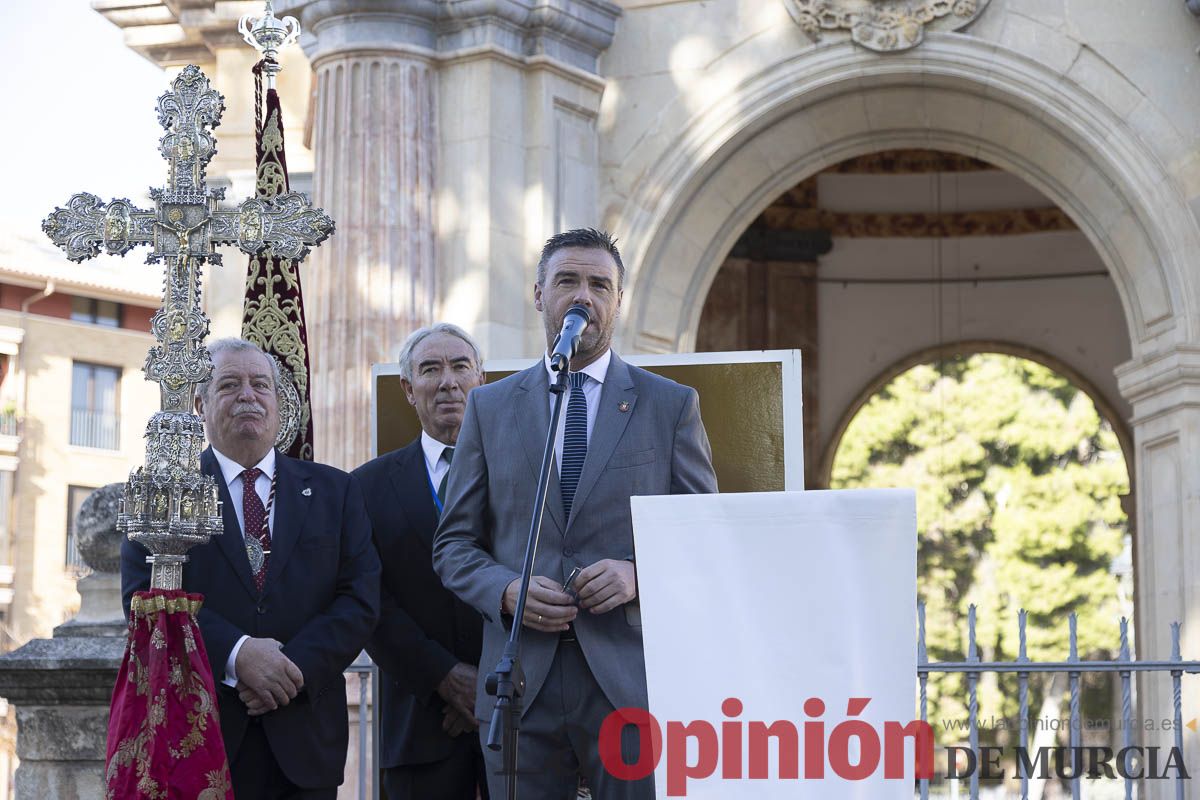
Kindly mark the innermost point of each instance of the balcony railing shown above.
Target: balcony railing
(76, 566)
(95, 429)
(9, 424)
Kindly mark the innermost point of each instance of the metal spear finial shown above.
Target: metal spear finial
(268, 35)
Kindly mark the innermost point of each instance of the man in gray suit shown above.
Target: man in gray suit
(624, 432)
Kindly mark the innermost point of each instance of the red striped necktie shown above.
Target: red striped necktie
(254, 521)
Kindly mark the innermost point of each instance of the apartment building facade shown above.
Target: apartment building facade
(73, 406)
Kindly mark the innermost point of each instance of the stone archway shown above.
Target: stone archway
(953, 94)
(1104, 404)
(696, 194)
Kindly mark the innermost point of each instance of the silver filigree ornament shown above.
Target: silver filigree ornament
(268, 34)
(289, 409)
(255, 554)
(168, 504)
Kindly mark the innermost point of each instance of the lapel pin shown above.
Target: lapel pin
(623, 406)
(307, 492)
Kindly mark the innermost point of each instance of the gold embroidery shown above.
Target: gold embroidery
(270, 321)
(175, 674)
(157, 715)
(186, 690)
(219, 785)
(144, 607)
(270, 179)
(197, 718)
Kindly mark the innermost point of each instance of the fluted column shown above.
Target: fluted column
(375, 143)
(488, 107)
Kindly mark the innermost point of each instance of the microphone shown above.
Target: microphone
(567, 342)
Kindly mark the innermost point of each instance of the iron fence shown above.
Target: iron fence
(368, 732)
(1074, 667)
(366, 728)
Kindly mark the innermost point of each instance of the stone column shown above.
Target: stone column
(1164, 390)
(61, 686)
(451, 138)
(374, 137)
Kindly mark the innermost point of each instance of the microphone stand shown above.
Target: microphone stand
(507, 681)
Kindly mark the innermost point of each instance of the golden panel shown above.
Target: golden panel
(741, 404)
(396, 420)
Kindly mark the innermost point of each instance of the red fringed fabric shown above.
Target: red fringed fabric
(273, 311)
(164, 737)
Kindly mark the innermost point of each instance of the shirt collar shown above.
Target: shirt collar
(231, 470)
(596, 370)
(433, 449)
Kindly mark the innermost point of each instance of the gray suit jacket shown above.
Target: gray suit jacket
(655, 446)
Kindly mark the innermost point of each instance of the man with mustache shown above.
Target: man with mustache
(427, 641)
(624, 432)
(291, 588)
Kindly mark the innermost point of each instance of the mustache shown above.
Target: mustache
(242, 409)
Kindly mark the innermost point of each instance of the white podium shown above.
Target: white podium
(777, 599)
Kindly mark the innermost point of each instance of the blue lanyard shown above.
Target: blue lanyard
(437, 501)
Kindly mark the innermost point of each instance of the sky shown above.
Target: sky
(79, 111)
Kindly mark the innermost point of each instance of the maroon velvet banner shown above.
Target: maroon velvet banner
(273, 314)
(164, 737)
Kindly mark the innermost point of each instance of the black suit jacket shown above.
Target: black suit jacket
(321, 599)
(423, 629)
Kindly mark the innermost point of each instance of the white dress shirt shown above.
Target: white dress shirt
(596, 371)
(231, 472)
(435, 465)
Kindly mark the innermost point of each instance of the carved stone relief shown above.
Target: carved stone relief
(883, 25)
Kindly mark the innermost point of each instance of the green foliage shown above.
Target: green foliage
(1018, 482)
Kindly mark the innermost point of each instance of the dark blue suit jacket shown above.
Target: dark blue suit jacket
(423, 629)
(321, 599)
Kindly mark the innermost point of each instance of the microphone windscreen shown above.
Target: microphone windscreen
(582, 312)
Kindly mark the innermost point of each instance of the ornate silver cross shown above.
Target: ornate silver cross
(184, 228)
(169, 505)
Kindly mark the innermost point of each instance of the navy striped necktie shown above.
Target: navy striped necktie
(447, 456)
(574, 441)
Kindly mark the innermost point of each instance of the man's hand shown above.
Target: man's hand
(458, 689)
(266, 673)
(548, 608)
(606, 585)
(454, 723)
(255, 705)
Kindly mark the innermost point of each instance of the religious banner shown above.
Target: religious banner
(164, 737)
(273, 312)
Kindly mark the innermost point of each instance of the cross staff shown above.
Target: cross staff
(169, 505)
(184, 228)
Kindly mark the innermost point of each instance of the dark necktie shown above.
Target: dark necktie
(448, 456)
(253, 518)
(574, 442)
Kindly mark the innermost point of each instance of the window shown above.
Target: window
(97, 312)
(75, 497)
(94, 421)
(8, 406)
(6, 494)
